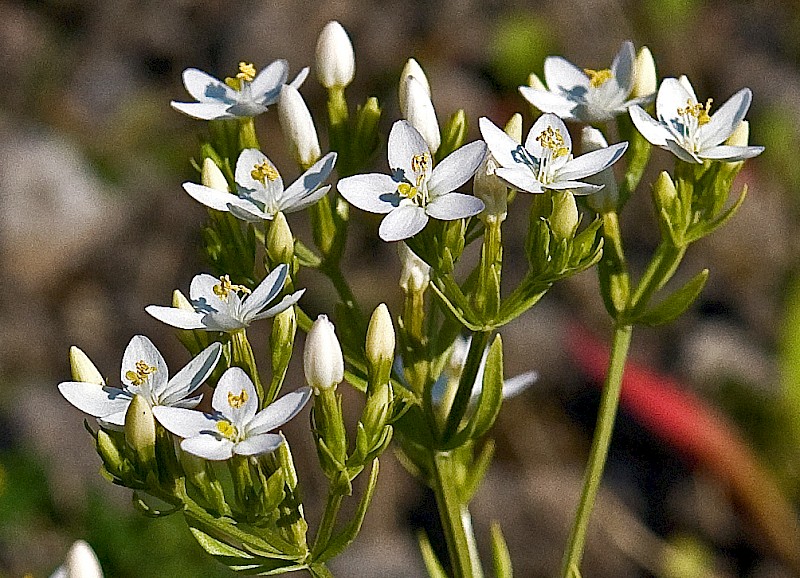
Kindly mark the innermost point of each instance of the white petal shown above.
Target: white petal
(208, 447)
(544, 122)
(184, 423)
(687, 86)
(258, 444)
(518, 384)
(247, 211)
(300, 202)
(312, 178)
(730, 153)
(279, 412)
(547, 101)
(180, 318)
(672, 95)
(655, 132)
(300, 78)
(266, 291)
(577, 187)
(373, 192)
(192, 376)
(205, 88)
(681, 152)
(453, 206)
(520, 179)
(270, 79)
(504, 149)
(222, 201)
(201, 293)
(94, 399)
(404, 144)
(457, 168)
(203, 110)
(402, 223)
(592, 162)
(235, 397)
(244, 167)
(282, 305)
(222, 322)
(622, 67)
(140, 348)
(560, 73)
(725, 120)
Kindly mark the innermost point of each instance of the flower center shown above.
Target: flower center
(598, 78)
(551, 139)
(141, 373)
(227, 429)
(263, 172)
(225, 287)
(417, 192)
(237, 401)
(247, 71)
(697, 111)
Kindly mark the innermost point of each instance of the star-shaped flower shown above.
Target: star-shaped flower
(259, 188)
(586, 95)
(416, 190)
(685, 126)
(246, 95)
(235, 426)
(144, 372)
(546, 161)
(219, 305)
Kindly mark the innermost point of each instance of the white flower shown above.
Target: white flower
(336, 63)
(546, 161)
(416, 190)
(323, 363)
(218, 305)
(589, 96)
(220, 100)
(144, 372)
(81, 562)
(235, 426)
(685, 127)
(259, 188)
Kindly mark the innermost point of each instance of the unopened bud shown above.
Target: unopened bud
(140, 430)
(322, 357)
(416, 273)
(298, 127)
(740, 137)
(81, 562)
(336, 63)
(491, 190)
(513, 127)
(564, 218)
(419, 111)
(211, 176)
(535, 82)
(644, 74)
(284, 326)
(82, 367)
(605, 199)
(412, 69)
(380, 343)
(109, 452)
(280, 242)
(664, 191)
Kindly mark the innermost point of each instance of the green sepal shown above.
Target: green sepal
(525, 296)
(637, 155)
(501, 558)
(458, 304)
(432, 563)
(365, 134)
(324, 228)
(477, 471)
(491, 397)
(676, 304)
(707, 228)
(272, 490)
(454, 133)
(306, 257)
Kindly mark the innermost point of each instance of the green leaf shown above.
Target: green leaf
(432, 564)
(217, 548)
(491, 397)
(525, 296)
(450, 294)
(676, 304)
(477, 471)
(501, 559)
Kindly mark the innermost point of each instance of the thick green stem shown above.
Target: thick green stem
(599, 451)
(456, 521)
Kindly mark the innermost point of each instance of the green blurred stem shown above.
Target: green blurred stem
(242, 356)
(456, 521)
(599, 450)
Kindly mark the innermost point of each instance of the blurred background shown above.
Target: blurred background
(704, 473)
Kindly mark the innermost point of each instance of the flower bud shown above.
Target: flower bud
(140, 430)
(179, 301)
(564, 218)
(535, 82)
(284, 326)
(416, 273)
(740, 137)
(298, 127)
(322, 357)
(491, 190)
(664, 191)
(336, 63)
(644, 74)
(605, 199)
(109, 453)
(280, 242)
(81, 562)
(211, 176)
(418, 110)
(380, 343)
(412, 69)
(82, 367)
(513, 127)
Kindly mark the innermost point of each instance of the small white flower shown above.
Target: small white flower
(589, 96)
(81, 562)
(220, 305)
(336, 63)
(144, 372)
(416, 190)
(685, 126)
(546, 161)
(235, 426)
(220, 100)
(259, 188)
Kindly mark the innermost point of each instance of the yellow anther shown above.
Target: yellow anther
(143, 371)
(697, 110)
(407, 190)
(552, 139)
(225, 287)
(227, 429)
(237, 401)
(263, 172)
(598, 78)
(247, 72)
(419, 163)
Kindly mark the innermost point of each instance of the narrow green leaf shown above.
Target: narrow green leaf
(491, 397)
(500, 555)
(432, 564)
(448, 292)
(676, 304)
(217, 548)
(477, 471)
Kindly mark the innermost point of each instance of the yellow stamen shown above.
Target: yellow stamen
(598, 78)
(143, 371)
(262, 172)
(247, 72)
(237, 401)
(419, 163)
(697, 110)
(407, 190)
(553, 139)
(227, 429)
(225, 287)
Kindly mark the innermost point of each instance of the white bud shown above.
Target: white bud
(81, 562)
(565, 217)
(82, 367)
(740, 137)
(298, 127)
(211, 176)
(418, 110)
(535, 82)
(412, 69)
(336, 63)
(644, 74)
(380, 337)
(606, 198)
(322, 357)
(140, 429)
(416, 273)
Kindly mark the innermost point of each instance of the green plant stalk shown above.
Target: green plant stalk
(480, 340)
(460, 538)
(247, 134)
(242, 356)
(606, 416)
(660, 270)
(328, 522)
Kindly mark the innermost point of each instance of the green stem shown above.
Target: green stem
(456, 521)
(599, 450)
(242, 356)
(328, 522)
(344, 291)
(247, 134)
(480, 340)
(660, 270)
